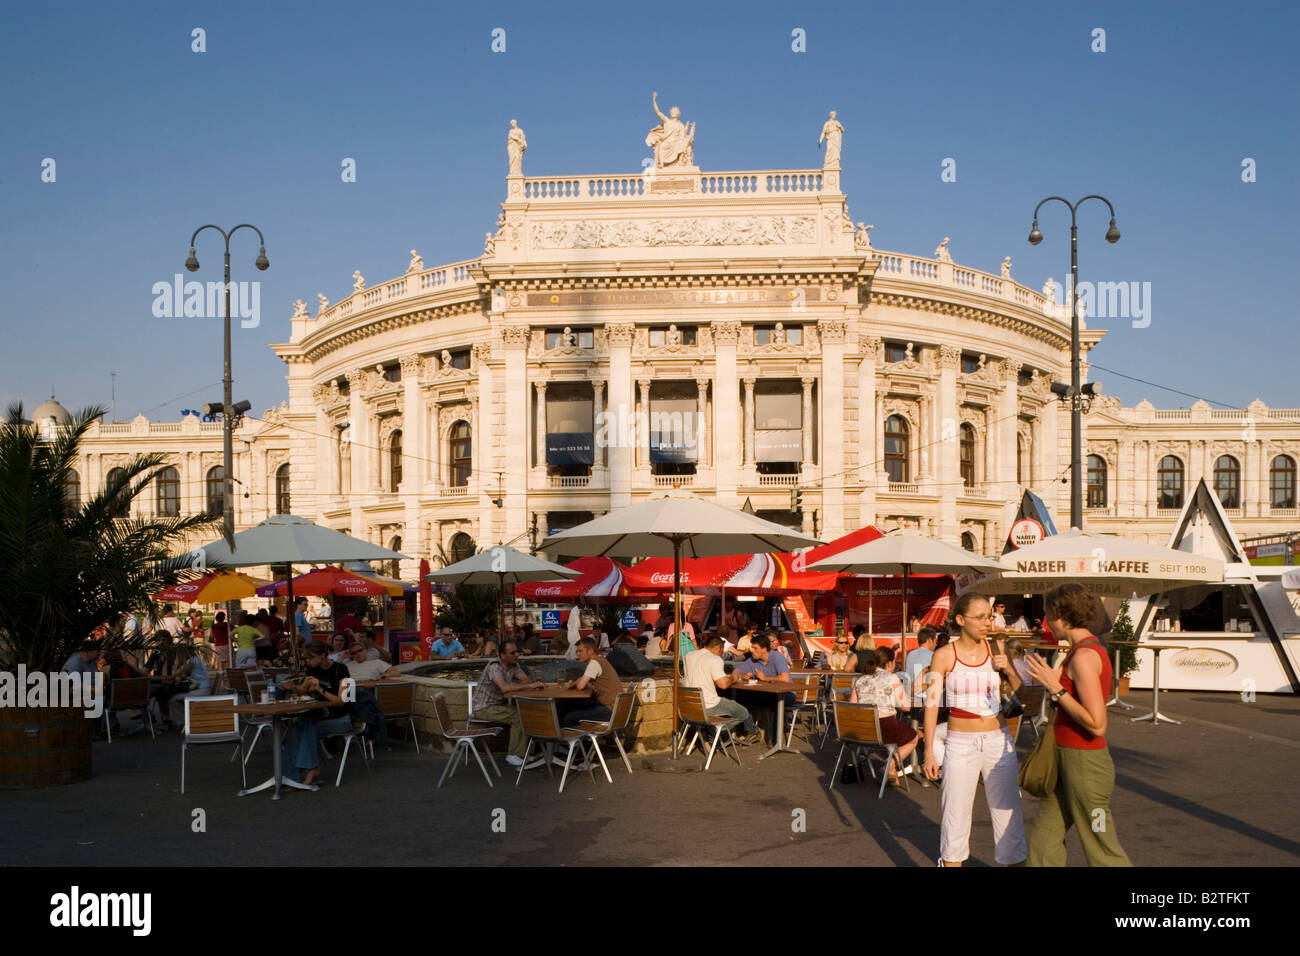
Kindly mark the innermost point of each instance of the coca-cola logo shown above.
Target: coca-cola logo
(550, 590)
(660, 577)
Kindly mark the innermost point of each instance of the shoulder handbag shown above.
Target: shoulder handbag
(1038, 773)
(1011, 706)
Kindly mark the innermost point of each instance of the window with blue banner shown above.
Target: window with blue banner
(569, 434)
(674, 431)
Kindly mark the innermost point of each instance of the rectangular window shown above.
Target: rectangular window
(895, 352)
(778, 426)
(969, 363)
(569, 432)
(663, 335)
(770, 335)
(578, 338)
(460, 359)
(674, 430)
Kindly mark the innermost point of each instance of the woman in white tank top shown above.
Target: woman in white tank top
(978, 743)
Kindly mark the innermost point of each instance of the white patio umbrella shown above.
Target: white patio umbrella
(906, 552)
(289, 539)
(500, 565)
(670, 525)
(1106, 565)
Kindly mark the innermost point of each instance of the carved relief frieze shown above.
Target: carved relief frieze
(701, 231)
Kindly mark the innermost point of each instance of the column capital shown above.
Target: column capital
(702, 384)
(749, 381)
(808, 381)
(949, 357)
(541, 387)
(872, 347)
(620, 334)
(832, 331)
(515, 336)
(726, 332)
(411, 366)
(482, 353)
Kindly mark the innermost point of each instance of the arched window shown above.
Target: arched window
(462, 450)
(1022, 460)
(967, 449)
(1169, 482)
(1227, 481)
(120, 506)
(1281, 481)
(968, 541)
(282, 500)
(72, 493)
(216, 490)
(395, 565)
(462, 547)
(169, 493)
(1096, 481)
(395, 460)
(896, 451)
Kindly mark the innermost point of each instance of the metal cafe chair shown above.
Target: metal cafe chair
(212, 720)
(463, 741)
(261, 722)
(397, 702)
(691, 712)
(858, 729)
(541, 722)
(841, 684)
(613, 727)
(131, 693)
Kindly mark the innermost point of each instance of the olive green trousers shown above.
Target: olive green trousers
(1085, 779)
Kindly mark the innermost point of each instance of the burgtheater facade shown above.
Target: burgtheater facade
(732, 333)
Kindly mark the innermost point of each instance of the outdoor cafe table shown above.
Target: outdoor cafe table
(780, 689)
(1114, 697)
(552, 691)
(1155, 716)
(277, 712)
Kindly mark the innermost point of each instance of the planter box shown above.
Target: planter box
(44, 746)
(1123, 687)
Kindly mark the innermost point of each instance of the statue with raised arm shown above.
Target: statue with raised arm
(515, 146)
(942, 253)
(832, 133)
(672, 140)
(862, 238)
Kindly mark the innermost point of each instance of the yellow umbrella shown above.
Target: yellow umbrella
(216, 587)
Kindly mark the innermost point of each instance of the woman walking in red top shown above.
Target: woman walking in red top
(1085, 772)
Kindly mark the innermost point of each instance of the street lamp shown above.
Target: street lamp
(227, 402)
(1075, 394)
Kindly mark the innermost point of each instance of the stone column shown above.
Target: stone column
(1125, 480)
(482, 480)
(1150, 456)
(702, 436)
(516, 430)
(882, 476)
(749, 422)
(597, 416)
(924, 450)
(949, 471)
(643, 418)
(807, 456)
(414, 460)
(356, 450)
(726, 421)
(868, 425)
(434, 478)
(326, 484)
(540, 415)
(622, 421)
(827, 431)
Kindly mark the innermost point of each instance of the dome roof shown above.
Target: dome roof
(52, 409)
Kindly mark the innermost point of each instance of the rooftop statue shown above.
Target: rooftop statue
(358, 282)
(1006, 268)
(942, 253)
(862, 239)
(515, 146)
(832, 133)
(417, 263)
(672, 140)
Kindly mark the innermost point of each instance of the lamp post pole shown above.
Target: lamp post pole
(1076, 390)
(227, 383)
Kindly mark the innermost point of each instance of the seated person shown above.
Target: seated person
(705, 670)
(654, 648)
(85, 660)
(531, 643)
(746, 639)
(621, 636)
(362, 668)
(339, 648)
(504, 676)
(323, 681)
(600, 677)
(880, 687)
(191, 679)
(373, 650)
(767, 666)
(447, 645)
(838, 659)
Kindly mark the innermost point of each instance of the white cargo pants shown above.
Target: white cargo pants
(966, 757)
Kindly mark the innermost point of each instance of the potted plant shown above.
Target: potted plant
(69, 569)
(1122, 630)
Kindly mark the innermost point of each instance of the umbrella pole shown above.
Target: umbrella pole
(292, 620)
(871, 607)
(501, 608)
(677, 626)
(906, 571)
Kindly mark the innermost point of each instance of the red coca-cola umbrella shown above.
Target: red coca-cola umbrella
(756, 574)
(602, 579)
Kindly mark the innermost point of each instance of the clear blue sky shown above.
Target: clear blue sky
(152, 140)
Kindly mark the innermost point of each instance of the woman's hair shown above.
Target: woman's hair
(316, 647)
(884, 656)
(864, 662)
(1015, 649)
(339, 636)
(1073, 604)
(961, 607)
(943, 640)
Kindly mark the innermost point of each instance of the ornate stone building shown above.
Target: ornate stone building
(733, 333)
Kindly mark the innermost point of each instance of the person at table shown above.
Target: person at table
(838, 658)
(448, 646)
(530, 644)
(1085, 771)
(767, 665)
(1020, 624)
(193, 626)
(85, 660)
(705, 670)
(730, 616)
(339, 649)
(746, 640)
(914, 673)
(347, 621)
(170, 622)
(300, 622)
(882, 688)
(373, 650)
(978, 743)
(999, 615)
(501, 677)
(267, 650)
(190, 679)
(362, 668)
(324, 681)
(600, 678)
